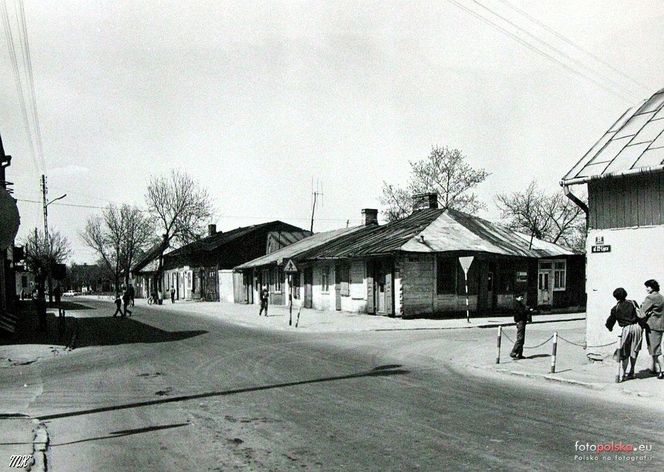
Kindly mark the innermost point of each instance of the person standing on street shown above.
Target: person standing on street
(172, 294)
(264, 296)
(57, 293)
(653, 309)
(126, 299)
(626, 314)
(132, 294)
(522, 314)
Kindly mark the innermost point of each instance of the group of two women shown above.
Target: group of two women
(634, 320)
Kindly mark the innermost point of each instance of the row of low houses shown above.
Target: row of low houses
(412, 267)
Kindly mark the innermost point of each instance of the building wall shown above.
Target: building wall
(226, 293)
(323, 300)
(636, 256)
(356, 302)
(627, 201)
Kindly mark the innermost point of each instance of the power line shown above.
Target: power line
(574, 45)
(533, 48)
(558, 51)
(17, 79)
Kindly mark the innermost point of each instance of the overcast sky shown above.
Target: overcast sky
(256, 99)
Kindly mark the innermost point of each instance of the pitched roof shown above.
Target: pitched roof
(149, 256)
(634, 144)
(299, 249)
(425, 231)
(215, 241)
(458, 231)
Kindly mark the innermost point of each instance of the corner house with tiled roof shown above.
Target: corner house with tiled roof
(203, 270)
(415, 267)
(624, 172)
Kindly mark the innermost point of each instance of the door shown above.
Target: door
(380, 288)
(490, 282)
(337, 287)
(308, 282)
(544, 285)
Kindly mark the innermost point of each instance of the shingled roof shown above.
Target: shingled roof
(633, 144)
(424, 231)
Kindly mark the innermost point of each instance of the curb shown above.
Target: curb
(481, 326)
(552, 378)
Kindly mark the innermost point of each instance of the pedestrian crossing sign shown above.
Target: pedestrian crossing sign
(290, 267)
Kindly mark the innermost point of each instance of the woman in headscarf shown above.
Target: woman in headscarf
(632, 334)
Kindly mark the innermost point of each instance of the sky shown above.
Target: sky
(261, 102)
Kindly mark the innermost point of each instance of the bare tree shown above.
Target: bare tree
(181, 209)
(444, 172)
(117, 237)
(41, 257)
(550, 217)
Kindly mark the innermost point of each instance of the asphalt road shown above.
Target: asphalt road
(178, 392)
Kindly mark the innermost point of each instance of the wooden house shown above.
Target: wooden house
(202, 270)
(624, 173)
(413, 267)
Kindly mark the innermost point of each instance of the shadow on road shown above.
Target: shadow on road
(380, 371)
(128, 432)
(109, 331)
(59, 331)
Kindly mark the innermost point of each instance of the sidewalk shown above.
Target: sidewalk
(319, 321)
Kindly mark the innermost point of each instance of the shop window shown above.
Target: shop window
(560, 275)
(447, 275)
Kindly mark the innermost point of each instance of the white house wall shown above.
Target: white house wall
(636, 256)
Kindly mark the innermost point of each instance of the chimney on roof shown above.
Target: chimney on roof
(422, 201)
(212, 230)
(369, 216)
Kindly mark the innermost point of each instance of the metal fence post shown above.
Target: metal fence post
(500, 335)
(553, 354)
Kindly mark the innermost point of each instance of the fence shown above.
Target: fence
(554, 348)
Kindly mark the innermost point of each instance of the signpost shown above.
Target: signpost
(290, 269)
(465, 265)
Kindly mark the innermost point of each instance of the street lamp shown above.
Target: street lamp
(47, 242)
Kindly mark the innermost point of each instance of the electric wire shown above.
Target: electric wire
(534, 48)
(574, 45)
(558, 51)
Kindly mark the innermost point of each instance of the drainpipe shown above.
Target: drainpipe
(580, 203)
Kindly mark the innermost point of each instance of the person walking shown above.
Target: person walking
(265, 297)
(118, 305)
(626, 314)
(172, 294)
(522, 315)
(126, 299)
(653, 309)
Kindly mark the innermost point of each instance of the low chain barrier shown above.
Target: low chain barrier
(554, 350)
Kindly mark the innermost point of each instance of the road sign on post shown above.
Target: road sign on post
(290, 269)
(466, 262)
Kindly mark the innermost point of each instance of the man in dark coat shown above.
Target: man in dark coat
(265, 297)
(522, 315)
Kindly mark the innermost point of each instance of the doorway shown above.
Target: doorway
(308, 289)
(544, 285)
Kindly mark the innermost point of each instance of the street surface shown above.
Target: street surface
(171, 392)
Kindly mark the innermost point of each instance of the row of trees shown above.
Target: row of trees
(178, 209)
(547, 216)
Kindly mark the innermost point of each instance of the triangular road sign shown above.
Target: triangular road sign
(290, 266)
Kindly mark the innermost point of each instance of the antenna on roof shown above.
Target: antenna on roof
(318, 192)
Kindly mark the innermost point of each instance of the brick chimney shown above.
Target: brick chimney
(422, 201)
(369, 216)
(212, 230)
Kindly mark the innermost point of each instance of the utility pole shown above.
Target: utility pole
(47, 239)
(315, 194)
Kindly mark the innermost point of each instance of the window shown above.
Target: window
(278, 279)
(522, 277)
(447, 275)
(296, 285)
(325, 279)
(560, 275)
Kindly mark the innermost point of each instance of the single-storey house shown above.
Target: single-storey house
(624, 173)
(202, 270)
(414, 267)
